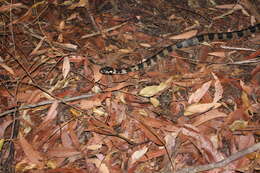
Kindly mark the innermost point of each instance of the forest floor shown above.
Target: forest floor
(197, 110)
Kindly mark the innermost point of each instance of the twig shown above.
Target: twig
(46, 103)
(106, 30)
(237, 48)
(250, 61)
(221, 163)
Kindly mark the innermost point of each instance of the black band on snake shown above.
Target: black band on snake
(183, 44)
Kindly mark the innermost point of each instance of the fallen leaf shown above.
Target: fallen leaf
(238, 125)
(65, 67)
(200, 108)
(94, 101)
(63, 152)
(204, 144)
(152, 90)
(184, 35)
(150, 134)
(119, 86)
(100, 165)
(218, 89)
(52, 112)
(152, 154)
(245, 87)
(218, 54)
(137, 155)
(155, 102)
(1, 144)
(100, 127)
(33, 155)
(199, 93)
(210, 115)
(94, 147)
(245, 100)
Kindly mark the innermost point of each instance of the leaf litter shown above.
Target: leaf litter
(179, 113)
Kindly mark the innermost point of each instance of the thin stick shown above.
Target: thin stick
(221, 163)
(43, 103)
(106, 30)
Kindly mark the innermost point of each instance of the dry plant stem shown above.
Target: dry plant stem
(237, 48)
(221, 163)
(46, 103)
(106, 30)
(245, 62)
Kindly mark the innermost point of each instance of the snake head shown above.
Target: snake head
(107, 70)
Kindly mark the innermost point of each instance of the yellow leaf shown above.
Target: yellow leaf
(152, 90)
(200, 108)
(154, 101)
(238, 124)
(1, 143)
(245, 99)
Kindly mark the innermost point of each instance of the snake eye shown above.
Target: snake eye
(106, 70)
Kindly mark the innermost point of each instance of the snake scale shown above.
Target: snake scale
(193, 41)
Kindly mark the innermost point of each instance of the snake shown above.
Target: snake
(193, 41)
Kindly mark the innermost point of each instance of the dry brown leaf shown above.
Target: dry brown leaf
(118, 86)
(199, 93)
(150, 134)
(63, 152)
(171, 141)
(97, 75)
(52, 113)
(218, 54)
(152, 154)
(184, 35)
(246, 88)
(153, 122)
(218, 89)
(66, 67)
(203, 143)
(100, 165)
(66, 140)
(208, 116)
(3, 125)
(101, 127)
(94, 101)
(74, 138)
(32, 155)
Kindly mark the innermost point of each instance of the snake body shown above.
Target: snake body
(193, 41)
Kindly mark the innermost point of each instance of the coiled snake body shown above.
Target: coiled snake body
(183, 44)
